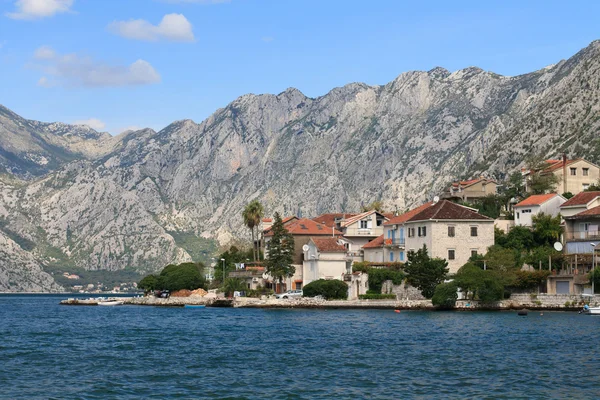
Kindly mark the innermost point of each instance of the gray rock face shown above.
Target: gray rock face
(118, 202)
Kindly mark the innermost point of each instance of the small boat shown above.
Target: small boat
(522, 313)
(111, 302)
(194, 306)
(590, 310)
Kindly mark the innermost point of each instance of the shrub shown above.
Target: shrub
(330, 289)
(182, 276)
(445, 295)
(376, 296)
(379, 275)
(530, 279)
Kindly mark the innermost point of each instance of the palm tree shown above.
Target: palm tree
(252, 215)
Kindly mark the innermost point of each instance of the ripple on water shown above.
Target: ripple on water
(50, 351)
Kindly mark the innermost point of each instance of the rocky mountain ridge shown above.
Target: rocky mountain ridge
(143, 199)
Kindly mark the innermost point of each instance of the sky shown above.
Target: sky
(126, 64)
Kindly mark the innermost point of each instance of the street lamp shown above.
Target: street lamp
(222, 259)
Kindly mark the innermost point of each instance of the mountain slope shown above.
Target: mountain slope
(401, 143)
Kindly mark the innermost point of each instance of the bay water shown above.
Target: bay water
(48, 351)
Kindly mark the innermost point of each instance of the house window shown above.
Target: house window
(401, 257)
(518, 215)
(451, 231)
(451, 255)
(586, 171)
(379, 222)
(392, 256)
(473, 252)
(573, 171)
(422, 231)
(363, 224)
(411, 232)
(473, 231)
(389, 234)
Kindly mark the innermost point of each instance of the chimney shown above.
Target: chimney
(564, 158)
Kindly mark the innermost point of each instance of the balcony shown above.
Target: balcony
(395, 242)
(583, 235)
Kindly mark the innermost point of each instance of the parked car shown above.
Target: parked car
(290, 294)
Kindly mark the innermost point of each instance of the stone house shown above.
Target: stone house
(470, 190)
(450, 231)
(574, 176)
(536, 204)
(395, 235)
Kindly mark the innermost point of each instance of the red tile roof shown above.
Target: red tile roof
(329, 219)
(591, 213)
(557, 164)
(536, 200)
(286, 221)
(581, 199)
(447, 210)
(267, 220)
(305, 226)
(375, 243)
(328, 245)
(358, 217)
(400, 219)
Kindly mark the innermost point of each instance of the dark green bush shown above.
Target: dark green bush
(330, 289)
(183, 276)
(377, 296)
(445, 295)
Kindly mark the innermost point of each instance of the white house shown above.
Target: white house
(579, 203)
(324, 258)
(548, 204)
(394, 235)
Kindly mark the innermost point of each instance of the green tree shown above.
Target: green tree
(183, 276)
(424, 272)
(332, 289)
(232, 256)
(490, 205)
(252, 214)
(445, 295)
(149, 283)
(546, 229)
(234, 285)
(541, 182)
(594, 276)
(281, 252)
(519, 238)
(481, 285)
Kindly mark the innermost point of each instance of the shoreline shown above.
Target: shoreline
(311, 303)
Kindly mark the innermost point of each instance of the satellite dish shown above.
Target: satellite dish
(558, 246)
(436, 199)
(305, 247)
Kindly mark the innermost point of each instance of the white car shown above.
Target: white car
(290, 294)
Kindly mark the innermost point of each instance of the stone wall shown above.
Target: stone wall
(403, 291)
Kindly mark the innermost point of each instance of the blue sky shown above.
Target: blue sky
(147, 63)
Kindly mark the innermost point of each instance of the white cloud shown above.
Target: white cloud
(36, 9)
(93, 123)
(84, 71)
(174, 27)
(45, 82)
(44, 53)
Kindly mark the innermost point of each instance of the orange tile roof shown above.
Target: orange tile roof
(329, 219)
(581, 199)
(400, 219)
(536, 200)
(305, 226)
(591, 213)
(285, 221)
(329, 245)
(558, 165)
(375, 243)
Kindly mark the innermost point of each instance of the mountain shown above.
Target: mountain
(30, 149)
(148, 198)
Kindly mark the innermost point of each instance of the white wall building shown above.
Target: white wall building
(324, 258)
(536, 204)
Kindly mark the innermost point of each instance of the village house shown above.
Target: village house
(536, 204)
(573, 176)
(302, 230)
(582, 202)
(325, 258)
(470, 190)
(394, 236)
(373, 251)
(357, 229)
(450, 231)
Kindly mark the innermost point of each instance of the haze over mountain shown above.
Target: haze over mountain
(73, 195)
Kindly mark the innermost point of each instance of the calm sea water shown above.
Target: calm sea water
(57, 352)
